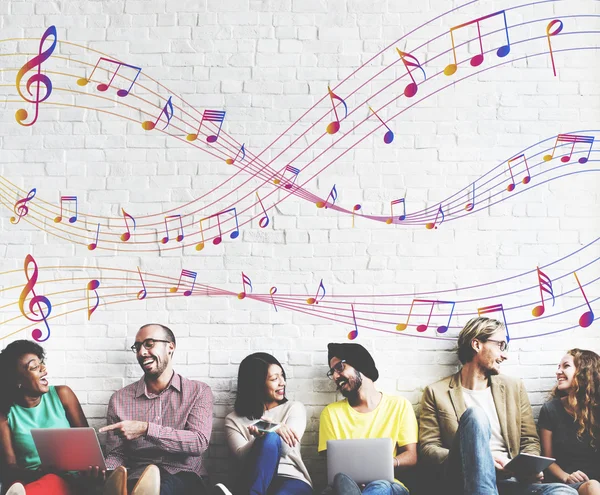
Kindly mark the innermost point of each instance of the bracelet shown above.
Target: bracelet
(395, 462)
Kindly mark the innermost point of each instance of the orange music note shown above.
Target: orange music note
(526, 179)
(187, 274)
(231, 161)
(334, 126)
(94, 244)
(141, 294)
(83, 81)
(333, 194)
(288, 168)
(354, 333)
(245, 281)
(127, 235)
(411, 88)
(573, 139)
(587, 318)
(92, 285)
(545, 286)
(402, 217)
(549, 33)
(209, 116)
(493, 309)
(422, 328)
(217, 240)
(313, 300)
(69, 200)
(180, 233)
(431, 225)
(147, 125)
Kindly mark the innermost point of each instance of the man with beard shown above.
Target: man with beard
(473, 422)
(366, 413)
(160, 425)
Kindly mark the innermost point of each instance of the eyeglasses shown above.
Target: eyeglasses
(338, 368)
(148, 344)
(501, 343)
(36, 367)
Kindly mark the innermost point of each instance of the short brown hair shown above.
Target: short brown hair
(479, 328)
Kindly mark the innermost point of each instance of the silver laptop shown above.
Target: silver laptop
(364, 460)
(68, 449)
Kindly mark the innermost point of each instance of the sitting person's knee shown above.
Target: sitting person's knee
(271, 439)
(475, 415)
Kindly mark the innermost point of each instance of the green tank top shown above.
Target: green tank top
(49, 413)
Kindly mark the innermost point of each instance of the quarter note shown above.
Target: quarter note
(493, 309)
(36, 79)
(355, 208)
(92, 285)
(549, 33)
(503, 51)
(180, 233)
(423, 327)
(36, 300)
(70, 200)
(526, 179)
(231, 161)
(545, 284)
(127, 235)
(470, 206)
(94, 245)
(217, 240)
(389, 135)
(333, 194)
(21, 208)
(245, 282)
(141, 294)
(83, 81)
(411, 88)
(334, 126)
(401, 201)
(264, 221)
(188, 274)
(147, 125)
(273, 291)
(573, 139)
(587, 318)
(209, 116)
(354, 333)
(316, 299)
(431, 225)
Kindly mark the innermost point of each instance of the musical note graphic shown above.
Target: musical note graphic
(37, 79)
(180, 233)
(210, 116)
(401, 201)
(67, 199)
(141, 294)
(354, 333)
(355, 208)
(587, 318)
(21, 208)
(545, 286)
(389, 135)
(493, 309)
(526, 179)
(422, 328)
(334, 126)
(94, 245)
(503, 51)
(245, 281)
(288, 168)
(431, 225)
(127, 235)
(187, 274)
(411, 88)
(573, 139)
(470, 206)
(35, 301)
(83, 81)
(92, 285)
(167, 110)
(273, 291)
(217, 240)
(549, 33)
(264, 221)
(333, 194)
(231, 161)
(313, 300)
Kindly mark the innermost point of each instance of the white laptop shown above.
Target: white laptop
(68, 449)
(364, 460)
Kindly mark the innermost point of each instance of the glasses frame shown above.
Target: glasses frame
(137, 346)
(333, 369)
(502, 344)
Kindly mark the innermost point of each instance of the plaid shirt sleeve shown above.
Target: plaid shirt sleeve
(115, 456)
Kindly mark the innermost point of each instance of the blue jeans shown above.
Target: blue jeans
(470, 467)
(344, 485)
(259, 476)
(182, 483)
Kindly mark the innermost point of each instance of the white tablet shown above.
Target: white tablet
(528, 464)
(68, 449)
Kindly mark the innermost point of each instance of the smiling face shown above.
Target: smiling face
(31, 373)
(489, 356)
(156, 360)
(347, 378)
(274, 385)
(565, 373)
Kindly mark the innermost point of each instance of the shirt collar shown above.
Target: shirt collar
(142, 389)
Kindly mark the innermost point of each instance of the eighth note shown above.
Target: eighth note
(401, 201)
(180, 234)
(127, 235)
(187, 274)
(83, 81)
(245, 282)
(334, 126)
(147, 125)
(313, 300)
(92, 286)
(411, 88)
(67, 199)
(545, 286)
(431, 225)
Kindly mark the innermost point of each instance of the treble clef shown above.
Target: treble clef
(21, 207)
(39, 78)
(35, 301)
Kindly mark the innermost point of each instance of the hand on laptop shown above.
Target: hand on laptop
(128, 429)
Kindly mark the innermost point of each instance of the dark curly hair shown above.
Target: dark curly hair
(8, 369)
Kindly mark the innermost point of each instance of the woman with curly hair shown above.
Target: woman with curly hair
(570, 422)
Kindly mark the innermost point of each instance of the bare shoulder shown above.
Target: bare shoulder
(65, 393)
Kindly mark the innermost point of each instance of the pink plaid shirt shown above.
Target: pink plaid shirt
(179, 426)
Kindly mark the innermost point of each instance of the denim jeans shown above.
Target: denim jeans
(259, 476)
(182, 483)
(344, 485)
(469, 468)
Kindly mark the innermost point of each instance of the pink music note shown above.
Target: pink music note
(209, 116)
(389, 135)
(231, 161)
(92, 286)
(20, 208)
(422, 328)
(83, 81)
(141, 294)
(573, 139)
(545, 286)
(273, 291)
(333, 194)
(470, 206)
(401, 201)
(493, 309)
(334, 126)
(587, 318)
(431, 225)
(127, 235)
(411, 88)
(69, 200)
(180, 233)
(217, 240)
(187, 274)
(355, 208)
(245, 282)
(264, 221)
(147, 125)
(354, 333)
(313, 300)
(526, 179)
(288, 168)
(549, 33)
(94, 244)
(503, 51)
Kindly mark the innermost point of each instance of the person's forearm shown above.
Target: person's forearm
(556, 471)
(405, 460)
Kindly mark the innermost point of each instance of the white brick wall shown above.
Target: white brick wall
(266, 63)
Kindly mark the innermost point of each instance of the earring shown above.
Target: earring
(19, 385)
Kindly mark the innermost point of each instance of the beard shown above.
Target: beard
(351, 390)
(157, 370)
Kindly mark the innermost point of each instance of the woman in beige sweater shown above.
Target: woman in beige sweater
(271, 461)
